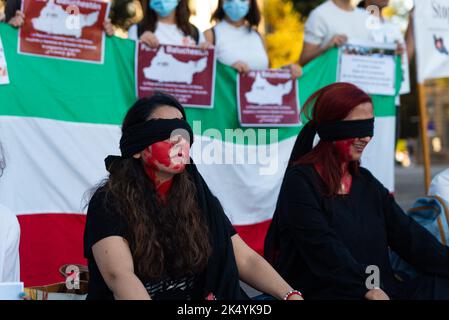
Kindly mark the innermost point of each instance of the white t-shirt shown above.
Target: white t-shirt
(440, 185)
(388, 32)
(234, 44)
(9, 246)
(168, 34)
(328, 20)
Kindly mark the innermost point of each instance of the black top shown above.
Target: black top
(323, 246)
(102, 223)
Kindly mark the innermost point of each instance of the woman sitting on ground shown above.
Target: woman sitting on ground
(155, 230)
(335, 222)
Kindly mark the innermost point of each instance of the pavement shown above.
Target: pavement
(409, 183)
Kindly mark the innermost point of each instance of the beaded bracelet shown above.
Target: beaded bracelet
(292, 293)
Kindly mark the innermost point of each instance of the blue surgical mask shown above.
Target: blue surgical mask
(163, 7)
(236, 9)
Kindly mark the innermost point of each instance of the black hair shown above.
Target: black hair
(149, 21)
(362, 4)
(144, 107)
(252, 17)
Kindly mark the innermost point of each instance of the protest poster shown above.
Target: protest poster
(370, 66)
(188, 73)
(267, 98)
(65, 29)
(431, 27)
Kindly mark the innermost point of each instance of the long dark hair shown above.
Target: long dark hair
(252, 17)
(331, 103)
(149, 21)
(166, 238)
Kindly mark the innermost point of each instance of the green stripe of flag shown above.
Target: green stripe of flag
(100, 94)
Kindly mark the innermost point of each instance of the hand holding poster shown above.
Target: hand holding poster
(372, 67)
(4, 78)
(267, 98)
(67, 29)
(188, 73)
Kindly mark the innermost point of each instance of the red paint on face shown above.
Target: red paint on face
(160, 152)
(344, 149)
(166, 156)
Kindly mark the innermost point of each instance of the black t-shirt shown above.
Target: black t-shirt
(326, 244)
(104, 222)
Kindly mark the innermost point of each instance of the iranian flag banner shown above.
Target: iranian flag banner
(60, 119)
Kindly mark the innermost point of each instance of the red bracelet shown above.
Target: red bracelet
(292, 293)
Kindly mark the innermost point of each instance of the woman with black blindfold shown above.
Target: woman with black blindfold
(155, 230)
(335, 222)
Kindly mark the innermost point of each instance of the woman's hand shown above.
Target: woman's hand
(295, 70)
(400, 49)
(241, 67)
(18, 20)
(108, 27)
(336, 41)
(205, 45)
(258, 273)
(150, 39)
(376, 294)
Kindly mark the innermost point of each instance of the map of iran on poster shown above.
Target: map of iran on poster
(187, 73)
(65, 29)
(267, 98)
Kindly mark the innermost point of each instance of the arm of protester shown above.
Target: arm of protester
(210, 37)
(18, 19)
(241, 67)
(108, 27)
(150, 39)
(258, 273)
(400, 49)
(411, 241)
(115, 262)
(410, 35)
(295, 70)
(310, 51)
(205, 45)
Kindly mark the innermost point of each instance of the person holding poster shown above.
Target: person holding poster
(16, 18)
(335, 223)
(155, 231)
(331, 24)
(9, 240)
(166, 22)
(236, 40)
(13, 15)
(385, 31)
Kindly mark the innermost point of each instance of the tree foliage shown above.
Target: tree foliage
(285, 31)
(304, 7)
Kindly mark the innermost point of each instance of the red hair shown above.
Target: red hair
(331, 103)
